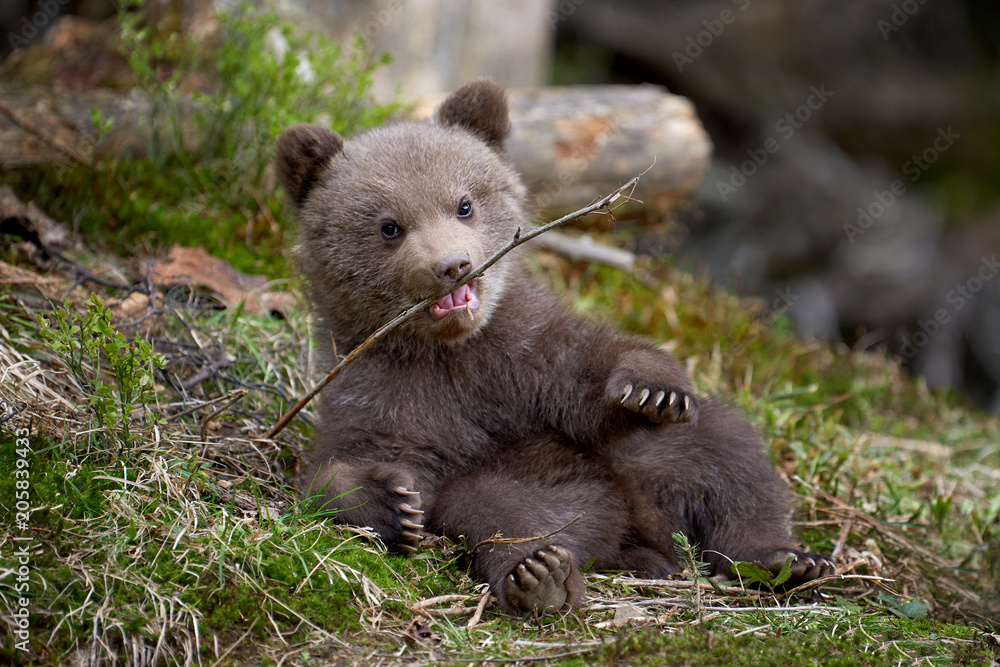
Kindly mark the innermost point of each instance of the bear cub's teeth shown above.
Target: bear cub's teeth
(463, 298)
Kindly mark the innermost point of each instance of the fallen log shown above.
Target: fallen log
(570, 144)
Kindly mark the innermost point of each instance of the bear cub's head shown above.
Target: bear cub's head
(401, 213)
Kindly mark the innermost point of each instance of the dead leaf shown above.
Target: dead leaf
(419, 631)
(627, 614)
(194, 266)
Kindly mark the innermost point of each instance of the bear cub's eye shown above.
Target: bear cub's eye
(465, 208)
(391, 230)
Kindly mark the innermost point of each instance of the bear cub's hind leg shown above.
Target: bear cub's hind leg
(533, 519)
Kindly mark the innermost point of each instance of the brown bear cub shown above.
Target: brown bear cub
(498, 412)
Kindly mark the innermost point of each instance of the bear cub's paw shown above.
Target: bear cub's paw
(661, 405)
(544, 583)
(805, 567)
(390, 504)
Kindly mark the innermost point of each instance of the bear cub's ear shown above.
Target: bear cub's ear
(481, 108)
(304, 151)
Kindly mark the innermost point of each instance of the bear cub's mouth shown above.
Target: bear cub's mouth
(463, 298)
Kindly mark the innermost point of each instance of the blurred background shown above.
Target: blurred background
(847, 171)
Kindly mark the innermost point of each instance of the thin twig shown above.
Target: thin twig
(683, 584)
(233, 396)
(483, 601)
(236, 395)
(881, 582)
(413, 311)
(845, 532)
(520, 540)
(206, 404)
(440, 599)
(237, 643)
(876, 524)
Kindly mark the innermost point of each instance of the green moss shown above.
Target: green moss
(696, 647)
(53, 481)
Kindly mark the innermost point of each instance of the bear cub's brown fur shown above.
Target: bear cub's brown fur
(498, 412)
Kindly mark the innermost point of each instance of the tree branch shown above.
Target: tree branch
(412, 311)
(46, 136)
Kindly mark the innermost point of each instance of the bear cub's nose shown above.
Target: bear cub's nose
(453, 267)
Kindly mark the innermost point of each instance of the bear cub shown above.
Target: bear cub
(498, 413)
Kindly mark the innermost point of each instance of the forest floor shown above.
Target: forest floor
(163, 527)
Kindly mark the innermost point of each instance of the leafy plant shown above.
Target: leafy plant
(86, 343)
(687, 554)
(262, 78)
(217, 107)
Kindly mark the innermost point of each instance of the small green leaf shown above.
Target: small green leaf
(913, 609)
(752, 572)
(786, 571)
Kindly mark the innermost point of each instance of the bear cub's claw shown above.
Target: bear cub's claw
(410, 520)
(540, 583)
(660, 405)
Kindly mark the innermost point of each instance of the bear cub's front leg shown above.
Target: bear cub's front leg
(651, 383)
(381, 496)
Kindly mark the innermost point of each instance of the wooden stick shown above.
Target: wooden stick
(522, 540)
(46, 136)
(412, 311)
